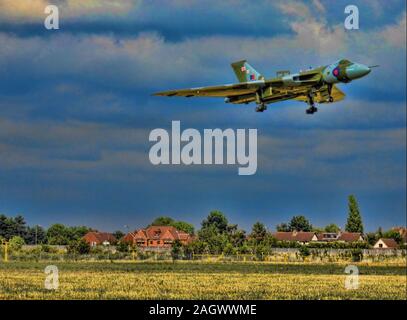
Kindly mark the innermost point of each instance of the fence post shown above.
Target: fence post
(5, 244)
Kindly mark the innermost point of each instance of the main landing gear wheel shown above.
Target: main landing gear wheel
(311, 110)
(331, 99)
(261, 107)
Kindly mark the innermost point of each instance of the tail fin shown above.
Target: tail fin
(245, 72)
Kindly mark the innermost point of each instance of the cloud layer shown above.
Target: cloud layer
(76, 110)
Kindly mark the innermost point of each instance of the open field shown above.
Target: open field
(195, 280)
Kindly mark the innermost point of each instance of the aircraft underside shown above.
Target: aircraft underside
(309, 95)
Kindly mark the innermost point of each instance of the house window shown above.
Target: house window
(158, 242)
(380, 245)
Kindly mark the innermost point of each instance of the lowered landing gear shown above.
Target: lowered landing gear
(261, 107)
(312, 109)
(331, 99)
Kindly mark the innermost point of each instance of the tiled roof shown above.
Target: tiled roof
(327, 236)
(349, 236)
(158, 233)
(100, 237)
(390, 243)
(294, 236)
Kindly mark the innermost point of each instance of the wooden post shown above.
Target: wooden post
(5, 244)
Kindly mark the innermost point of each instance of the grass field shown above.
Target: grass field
(194, 280)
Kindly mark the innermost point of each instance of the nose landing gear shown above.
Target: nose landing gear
(331, 99)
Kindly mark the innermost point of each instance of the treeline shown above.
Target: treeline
(216, 235)
(56, 234)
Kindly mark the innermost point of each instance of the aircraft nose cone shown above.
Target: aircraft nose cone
(356, 71)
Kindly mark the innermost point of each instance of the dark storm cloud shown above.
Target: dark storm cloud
(76, 110)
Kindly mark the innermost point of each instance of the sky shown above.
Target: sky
(76, 111)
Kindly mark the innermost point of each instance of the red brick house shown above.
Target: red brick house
(99, 238)
(157, 237)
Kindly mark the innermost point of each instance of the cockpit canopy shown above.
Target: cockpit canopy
(345, 63)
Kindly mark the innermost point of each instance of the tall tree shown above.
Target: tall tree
(10, 227)
(118, 234)
(354, 222)
(259, 232)
(58, 234)
(217, 220)
(19, 226)
(332, 228)
(393, 234)
(168, 221)
(300, 223)
(4, 227)
(238, 238)
(283, 227)
(184, 226)
(163, 221)
(35, 235)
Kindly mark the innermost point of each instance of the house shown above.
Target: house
(322, 237)
(99, 238)
(157, 237)
(383, 243)
(327, 236)
(350, 236)
(298, 236)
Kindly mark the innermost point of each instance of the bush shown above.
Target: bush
(16, 243)
(176, 251)
(304, 251)
(338, 245)
(357, 255)
(78, 247)
(229, 250)
(48, 249)
(122, 246)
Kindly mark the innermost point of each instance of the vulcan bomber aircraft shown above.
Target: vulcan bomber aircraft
(312, 86)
